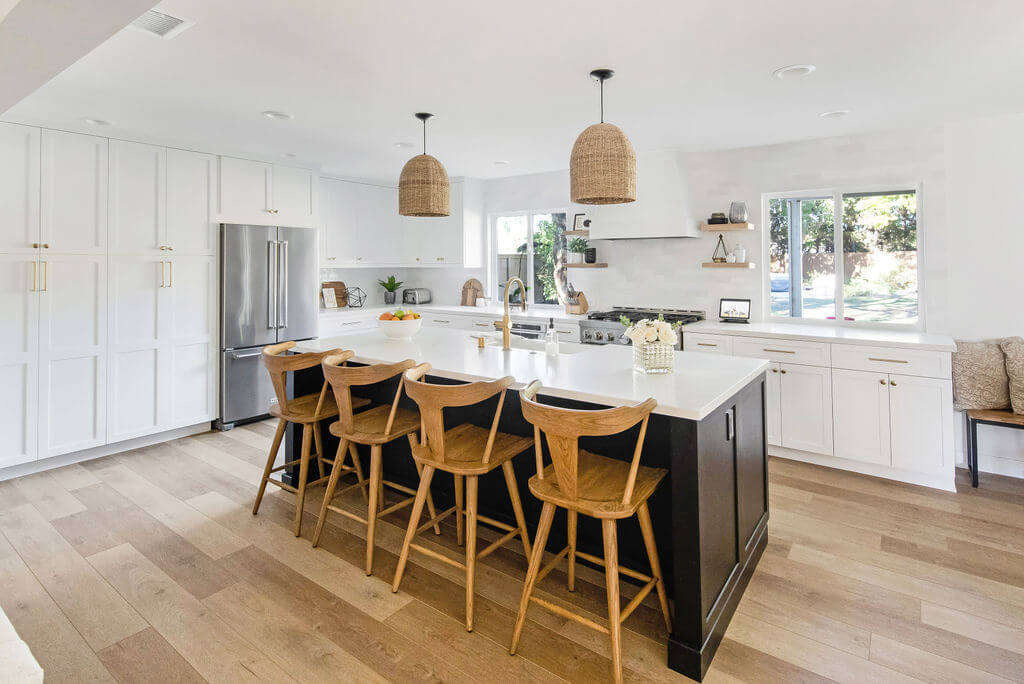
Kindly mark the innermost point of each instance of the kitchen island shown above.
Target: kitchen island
(710, 515)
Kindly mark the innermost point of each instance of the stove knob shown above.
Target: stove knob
(599, 335)
(587, 335)
(623, 339)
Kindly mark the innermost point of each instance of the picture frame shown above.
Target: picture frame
(578, 222)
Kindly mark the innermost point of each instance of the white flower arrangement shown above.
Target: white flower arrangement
(647, 331)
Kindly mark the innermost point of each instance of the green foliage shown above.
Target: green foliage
(577, 245)
(391, 284)
(546, 239)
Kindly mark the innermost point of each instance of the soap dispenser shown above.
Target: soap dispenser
(551, 339)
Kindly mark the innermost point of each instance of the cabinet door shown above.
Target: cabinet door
(73, 193)
(921, 420)
(806, 408)
(860, 415)
(72, 353)
(420, 237)
(773, 404)
(137, 288)
(137, 198)
(380, 227)
(339, 220)
(19, 188)
(191, 341)
(294, 197)
(244, 192)
(191, 189)
(19, 357)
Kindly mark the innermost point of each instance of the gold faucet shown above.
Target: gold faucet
(505, 324)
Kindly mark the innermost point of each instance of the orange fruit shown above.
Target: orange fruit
(409, 317)
(386, 316)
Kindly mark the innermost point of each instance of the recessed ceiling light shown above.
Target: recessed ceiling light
(403, 145)
(834, 114)
(96, 122)
(277, 116)
(794, 71)
(501, 162)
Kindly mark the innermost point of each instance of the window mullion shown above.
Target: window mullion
(837, 248)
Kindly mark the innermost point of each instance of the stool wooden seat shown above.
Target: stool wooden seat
(596, 486)
(466, 452)
(307, 410)
(976, 417)
(374, 428)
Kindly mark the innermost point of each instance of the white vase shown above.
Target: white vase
(575, 257)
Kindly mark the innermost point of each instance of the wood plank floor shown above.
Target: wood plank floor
(147, 566)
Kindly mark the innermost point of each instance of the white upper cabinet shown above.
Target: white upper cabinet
(860, 410)
(266, 194)
(19, 188)
(379, 232)
(339, 234)
(74, 193)
(436, 241)
(137, 198)
(294, 193)
(191, 189)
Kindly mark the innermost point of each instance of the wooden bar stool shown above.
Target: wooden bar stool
(374, 428)
(596, 486)
(307, 411)
(467, 452)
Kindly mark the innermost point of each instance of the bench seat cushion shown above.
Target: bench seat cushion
(979, 376)
(1013, 348)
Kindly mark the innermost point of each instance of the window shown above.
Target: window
(526, 245)
(874, 281)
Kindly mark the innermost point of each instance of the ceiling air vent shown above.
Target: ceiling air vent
(160, 25)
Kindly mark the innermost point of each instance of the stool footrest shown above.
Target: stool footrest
(559, 610)
(637, 600)
(622, 571)
(512, 534)
(348, 514)
(439, 556)
(436, 519)
(551, 565)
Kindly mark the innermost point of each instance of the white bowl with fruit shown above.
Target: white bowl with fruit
(400, 324)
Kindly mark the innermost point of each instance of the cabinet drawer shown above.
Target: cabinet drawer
(441, 320)
(345, 326)
(715, 344)
(785, 351)
(928, 364)
(568, 333)
(479, 324)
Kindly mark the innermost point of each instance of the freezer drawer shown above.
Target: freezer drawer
(246, 392)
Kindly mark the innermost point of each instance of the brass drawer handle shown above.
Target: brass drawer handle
(779, 351)
(872, 358)
(438, 320)
(706, 344)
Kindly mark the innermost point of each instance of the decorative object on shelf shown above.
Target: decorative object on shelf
(738, 212)
(577, 302)
(730, 258)
(472, 291)
(590, 255)
(340, 292)
(423, 186)
(578, 222)
(720, 253)
(586, 223)
(654, 343)
(740, 252)
(390, 286)
(602, 166)
(717, 219)
(330, 300)
(577, 246)
(356, 298)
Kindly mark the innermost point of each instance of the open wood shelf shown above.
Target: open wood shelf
(720, 227)
(577, 233)
(586, 265)
(739, 264)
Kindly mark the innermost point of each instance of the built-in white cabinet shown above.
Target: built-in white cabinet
(712, 344)
(380, 233)
(266, 194)
(339, 232)
(137, 206)
(860, 410)
(73, 193)
(805, 406)
(19, 188)
(436, 241)
(19, 357)
(921, 422)
(191, 190)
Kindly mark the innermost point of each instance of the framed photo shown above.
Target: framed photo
(330, 298)
(734, 310)
(577, 221)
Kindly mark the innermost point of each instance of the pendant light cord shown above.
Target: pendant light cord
(424, 137)
(602, 100)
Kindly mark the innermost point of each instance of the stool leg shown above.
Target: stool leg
(611, 573)
(572, 517)
(459, 508)
(329, 492)
(307, 437)
(354, 453)
(644, 515)
(282, 425)
(471, 497)
(319, 444)
(414, 522)
(371, 513)
(540, 540)
(974, 452)
(517, 505)
(430, 497)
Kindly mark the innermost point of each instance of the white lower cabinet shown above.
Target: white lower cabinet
(19, 357)
(773, 405)
(805, 405)
(860, 413)
(921, 422)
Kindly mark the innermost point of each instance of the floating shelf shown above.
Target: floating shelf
(719, 227)
(576, 233)
(740, 264)
(586, 265)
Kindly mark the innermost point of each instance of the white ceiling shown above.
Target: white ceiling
(508, 81)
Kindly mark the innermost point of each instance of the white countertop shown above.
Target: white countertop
(828, 333)
(599, 374)
(495, 310)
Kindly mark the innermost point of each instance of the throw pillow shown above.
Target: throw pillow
(979, 376)
(1013, 348)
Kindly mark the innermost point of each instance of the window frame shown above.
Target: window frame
(836, 193)
(493, 286)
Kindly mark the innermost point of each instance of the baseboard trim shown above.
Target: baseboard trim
(39, 466)
(944, 481)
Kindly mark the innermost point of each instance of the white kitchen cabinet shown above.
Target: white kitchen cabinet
(191, 190)
(244, 192)
(72, 353)
(443, 320)
(294, 194)
(773, 404)
(436, 241)
(712, 344)
(19, 188)
(921, 419)
(480, 324)
(137, 198)
(339, 236)
(191, 341)
(73, 193)
(806, 408)
(19, 357)
(379, 231)
(350, 322)
(860, 416)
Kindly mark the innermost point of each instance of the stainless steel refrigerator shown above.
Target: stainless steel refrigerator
(268, 294)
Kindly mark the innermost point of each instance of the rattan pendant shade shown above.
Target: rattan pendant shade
(602, 166)
(423, 185)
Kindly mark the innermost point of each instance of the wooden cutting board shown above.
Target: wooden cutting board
(340, 291)
(472, 290)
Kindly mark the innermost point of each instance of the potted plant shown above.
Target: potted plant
(390, 286)
(577, 246)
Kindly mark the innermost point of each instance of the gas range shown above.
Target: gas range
(603, 327)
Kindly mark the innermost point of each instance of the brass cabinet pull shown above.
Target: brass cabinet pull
(881, 382)
(440, 258)
(438, 320)
(779, 351)
(46, 245)
(706, 344)
(35, 276)
(783, 371)
(775, 370)
(872, 358)
(46, 276)
(170, 274)
(892, 382)
(35, 245)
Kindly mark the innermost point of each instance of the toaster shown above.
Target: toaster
(415, 295)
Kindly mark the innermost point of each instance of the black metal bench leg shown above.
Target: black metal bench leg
(972, 438)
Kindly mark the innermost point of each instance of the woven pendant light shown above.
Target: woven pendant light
(423, 185)
(602, 167)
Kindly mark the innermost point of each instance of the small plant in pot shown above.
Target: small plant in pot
(390, 286)
(577, 246)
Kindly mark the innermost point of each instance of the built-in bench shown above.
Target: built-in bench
(976, 417)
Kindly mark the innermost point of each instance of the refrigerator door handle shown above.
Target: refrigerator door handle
(283, 265)
(246, 355)
(272, 284)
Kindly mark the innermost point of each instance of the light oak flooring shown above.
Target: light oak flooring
(147, 566)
